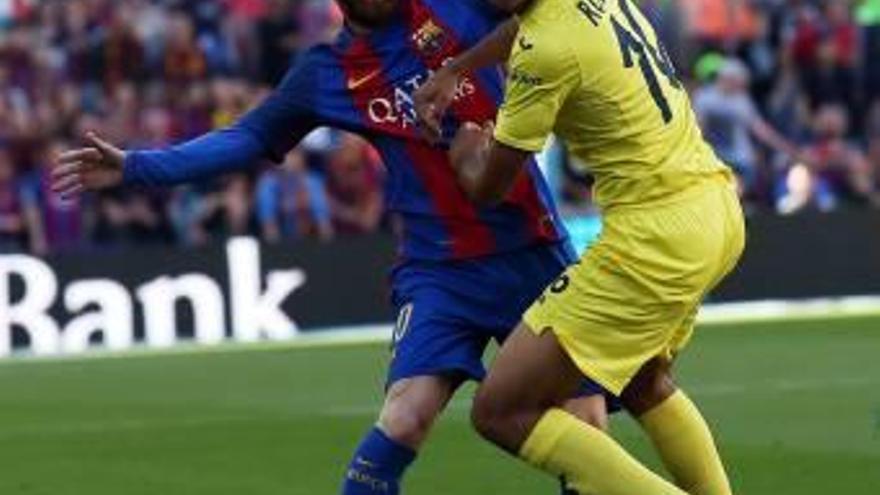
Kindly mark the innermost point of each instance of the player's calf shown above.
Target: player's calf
(388, 449)
(412, 406)
(677, 429)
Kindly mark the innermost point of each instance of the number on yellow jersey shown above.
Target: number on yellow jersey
(635, 44)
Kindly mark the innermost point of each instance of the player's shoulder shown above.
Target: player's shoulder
(320, 56)
(541, 51)
(308, 71)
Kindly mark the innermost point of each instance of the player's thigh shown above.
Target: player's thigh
(530, 373)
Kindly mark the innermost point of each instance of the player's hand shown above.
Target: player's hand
(471, 141)
(433, 99)
(94, 167)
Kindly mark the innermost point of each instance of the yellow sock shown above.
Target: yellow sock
(588, 459)
(685, 444)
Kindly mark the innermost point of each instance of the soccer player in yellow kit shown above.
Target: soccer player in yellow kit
(594, 73)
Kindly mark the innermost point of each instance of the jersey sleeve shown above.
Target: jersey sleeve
(270, 130)
(289, 113)
(541, 75)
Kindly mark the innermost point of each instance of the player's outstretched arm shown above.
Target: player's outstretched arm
(101, 165)
(268, 131)
(434, 97)
(486, 168)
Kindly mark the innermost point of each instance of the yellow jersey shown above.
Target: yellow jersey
(594, 73)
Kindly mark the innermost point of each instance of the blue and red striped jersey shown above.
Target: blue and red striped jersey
(364, 84)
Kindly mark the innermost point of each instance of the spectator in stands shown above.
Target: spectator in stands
(291, 202)
(826, 44)
(722, 24)
(58, 225)
(836, 162)
(868, 16)
(873, 133)
(190, 209)
(184, 61)
(13, 215)
(729, 119)
(278, 35)
(801, 190)
(355, 186)
(150, 72)
(787, 105)
(236, 205)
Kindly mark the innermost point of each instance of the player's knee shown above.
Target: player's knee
(490, 418)
(485, 417)
(652, 385)
(406, 423)
(592, 410)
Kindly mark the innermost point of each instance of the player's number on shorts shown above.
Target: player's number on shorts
(558, 286)
(634, 45)
(404, 317)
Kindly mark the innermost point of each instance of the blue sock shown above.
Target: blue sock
(377, 466)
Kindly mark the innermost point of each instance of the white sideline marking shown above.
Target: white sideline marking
(780, 310)
(710, 314)
(459, 404)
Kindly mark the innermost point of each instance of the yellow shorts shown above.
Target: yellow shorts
(635, 294)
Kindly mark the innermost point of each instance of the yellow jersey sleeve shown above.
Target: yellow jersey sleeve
(542, 73)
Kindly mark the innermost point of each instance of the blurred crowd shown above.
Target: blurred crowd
(785, 90)
(150, 73)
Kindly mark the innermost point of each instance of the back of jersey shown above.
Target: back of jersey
(598, 68)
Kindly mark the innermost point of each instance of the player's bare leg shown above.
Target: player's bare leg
(518, 407)
(530, 375)
(411, 407)
(651, 386)
(592, 409)
(677, 429)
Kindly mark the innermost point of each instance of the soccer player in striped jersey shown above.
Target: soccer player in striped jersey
(466, 273)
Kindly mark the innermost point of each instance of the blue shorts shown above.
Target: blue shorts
(449, 311)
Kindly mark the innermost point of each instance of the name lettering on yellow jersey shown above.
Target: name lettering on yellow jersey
(593, 10)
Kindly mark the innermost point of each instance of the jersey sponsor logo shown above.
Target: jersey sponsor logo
(429, 38)
(374, 484)
(397, 106)
(519, 76)
(365, 463)
(357, 82)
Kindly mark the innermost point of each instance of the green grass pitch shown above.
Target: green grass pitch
(796, 408)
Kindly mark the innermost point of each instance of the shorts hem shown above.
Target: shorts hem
(588, 371)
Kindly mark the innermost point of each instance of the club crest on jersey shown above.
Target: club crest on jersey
(429, 38)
